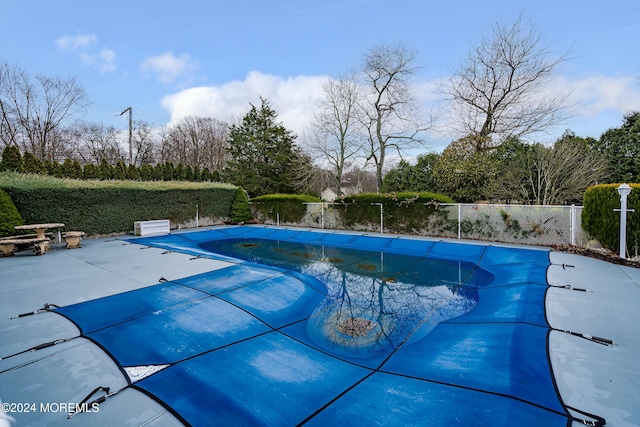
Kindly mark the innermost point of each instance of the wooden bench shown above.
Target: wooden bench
(73, 238)
(9, 245)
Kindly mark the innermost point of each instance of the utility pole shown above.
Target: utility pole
(130, 133)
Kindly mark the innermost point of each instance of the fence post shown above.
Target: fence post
(381, 217)
(459, 221)
(572, 214)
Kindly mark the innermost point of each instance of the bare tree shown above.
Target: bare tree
(389, 111)
(33, 110)
(335, 136)
(197, 141)
(145, 143)
(552, 175)
(499, 89)
(96, 142)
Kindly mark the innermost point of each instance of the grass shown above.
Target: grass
(46, 181)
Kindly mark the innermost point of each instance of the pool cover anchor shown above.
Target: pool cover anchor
(45, 308)
(598, 340)
(570, 288)
(85, 406)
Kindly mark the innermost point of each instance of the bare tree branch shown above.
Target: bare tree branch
(389, 111)
(499, 90)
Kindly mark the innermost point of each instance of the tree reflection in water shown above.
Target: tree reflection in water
(364, 316)
(375, 301)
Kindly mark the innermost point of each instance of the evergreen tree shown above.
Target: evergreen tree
(263, 153)
(197, 177)
(9, 215)
(32, 164)
(147, 173)
(240, 211)
(621, 147)
(55, 169)
(120, 171)
(77, 168)
(11, 159)
(168, 171)
(133, 173)
(69, 170)
(205, 176)
(91, 171)
(188, 173)
(158, 172)
(179, 173)
(51, 168)
(106, 170)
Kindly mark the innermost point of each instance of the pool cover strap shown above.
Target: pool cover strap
(85, 405)
(39, 347)
(45, 308)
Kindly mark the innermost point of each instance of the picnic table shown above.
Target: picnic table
(40, 230)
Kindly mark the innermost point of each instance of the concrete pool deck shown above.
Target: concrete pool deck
(599, 300)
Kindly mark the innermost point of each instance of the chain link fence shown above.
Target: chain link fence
(528, 224)
(523, 224)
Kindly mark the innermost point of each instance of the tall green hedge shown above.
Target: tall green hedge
(289, 208)
(103, 207)
(402, 212)
(603, 223)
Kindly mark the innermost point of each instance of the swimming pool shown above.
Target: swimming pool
(274, 343)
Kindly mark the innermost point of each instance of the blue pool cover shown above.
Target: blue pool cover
(233, 346)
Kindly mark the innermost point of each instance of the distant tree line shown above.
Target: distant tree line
(493, 99)
(12, 160)
(524, 172)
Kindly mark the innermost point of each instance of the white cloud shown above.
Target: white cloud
(167, 67)
(596, 94)
(108, 58)
(600, 102)
(103, 60)
(71, 43)
(293, 98)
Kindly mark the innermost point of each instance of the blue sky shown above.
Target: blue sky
(167, 59)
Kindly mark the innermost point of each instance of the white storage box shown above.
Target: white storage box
(157, 226)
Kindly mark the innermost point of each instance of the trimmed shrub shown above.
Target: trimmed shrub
(11, 159)
(9, 216)
(402, 212)
(103, 207)
(603, 223)
(288, 208)
(240, 211)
